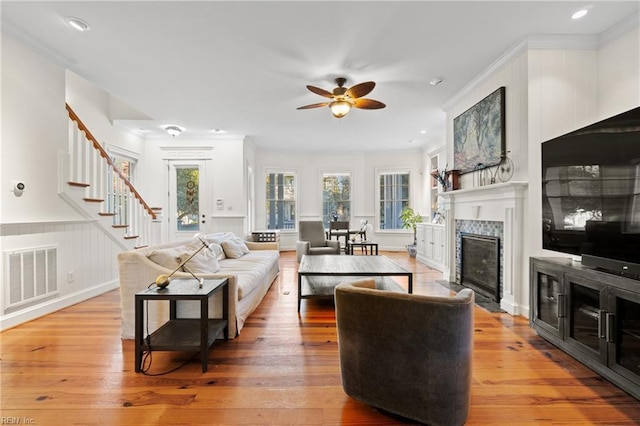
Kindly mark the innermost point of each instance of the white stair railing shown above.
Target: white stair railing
(92, 168)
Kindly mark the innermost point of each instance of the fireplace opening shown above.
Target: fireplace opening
(480, 264)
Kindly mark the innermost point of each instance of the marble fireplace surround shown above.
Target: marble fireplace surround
(501, 202)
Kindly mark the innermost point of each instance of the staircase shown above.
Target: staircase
(95, 187)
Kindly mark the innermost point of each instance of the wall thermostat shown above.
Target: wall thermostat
(17, 187)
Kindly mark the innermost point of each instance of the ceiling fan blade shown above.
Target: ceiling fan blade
(360, 90)
(321, 104)
(321, 92)
(368, 104)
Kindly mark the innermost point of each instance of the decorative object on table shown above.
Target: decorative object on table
(334, 216)
(504, 170)
(410, 219)
(365, 227)
(453, 180)
(448, 179)
(438, 216)
(440, 176)
(162, 281)
(479, 134)
(343, 99)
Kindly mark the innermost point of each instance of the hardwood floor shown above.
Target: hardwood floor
(71, 367)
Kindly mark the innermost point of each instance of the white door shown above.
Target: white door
(188, 203)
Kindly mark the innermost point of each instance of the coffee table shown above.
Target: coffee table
(318, 275)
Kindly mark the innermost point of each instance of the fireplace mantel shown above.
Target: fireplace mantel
(502, 202)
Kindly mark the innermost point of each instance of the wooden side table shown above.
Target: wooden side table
(182, 334)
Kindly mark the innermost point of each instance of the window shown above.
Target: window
(188, 198)
(394, 196)
(336, 196)
(281, 200)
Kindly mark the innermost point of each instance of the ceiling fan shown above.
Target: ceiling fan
(343, 99)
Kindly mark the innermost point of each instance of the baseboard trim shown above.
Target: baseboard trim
(28, 314)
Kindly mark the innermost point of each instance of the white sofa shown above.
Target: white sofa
(250, 277)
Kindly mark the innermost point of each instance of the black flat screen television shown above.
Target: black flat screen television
(591, 194)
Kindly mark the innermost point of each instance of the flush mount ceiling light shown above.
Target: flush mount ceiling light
(579, 14)
(77, 23)
(173, 130)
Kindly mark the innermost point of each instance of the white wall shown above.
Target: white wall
(618, 71)
(552, 91)
(94, 107)
(225, 179)
(569, 90)
(309, 167)
(34, 131)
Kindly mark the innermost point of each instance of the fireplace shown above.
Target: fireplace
(480, 264)
(495, 210)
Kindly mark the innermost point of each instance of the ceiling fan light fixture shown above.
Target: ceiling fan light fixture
(340, 108)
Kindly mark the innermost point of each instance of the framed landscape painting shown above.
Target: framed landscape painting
(479, 134)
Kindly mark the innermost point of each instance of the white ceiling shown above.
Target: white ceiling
(242, 66)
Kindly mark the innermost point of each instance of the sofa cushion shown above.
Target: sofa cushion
(234, 248)
(167, 257)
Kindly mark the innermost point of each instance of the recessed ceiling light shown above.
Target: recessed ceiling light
(77, 23)
(579, 14)
(435, 81)
(423, 132)
(218, 131)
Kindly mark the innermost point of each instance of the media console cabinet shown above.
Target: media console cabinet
(593, 316)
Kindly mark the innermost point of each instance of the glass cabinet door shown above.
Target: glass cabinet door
(548, 300)
(586, 316)
(624, 333)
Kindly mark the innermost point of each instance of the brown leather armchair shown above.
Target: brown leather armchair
(407, 354)
(312, 240)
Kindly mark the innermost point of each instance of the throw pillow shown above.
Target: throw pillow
(201, 263)
(219, 237)
(234, 248)
(168, 257)
(218, 251)
(215, 249)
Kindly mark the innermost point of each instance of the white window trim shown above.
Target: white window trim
(269, 170)
(377, 208)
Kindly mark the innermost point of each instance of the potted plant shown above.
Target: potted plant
(410, 219)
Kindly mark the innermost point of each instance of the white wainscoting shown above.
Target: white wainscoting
(85, 263)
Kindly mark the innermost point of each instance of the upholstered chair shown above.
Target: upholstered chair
(406, 354)
(312, 240)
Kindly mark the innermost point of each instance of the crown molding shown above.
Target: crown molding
(628, 24)
(15, 32)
